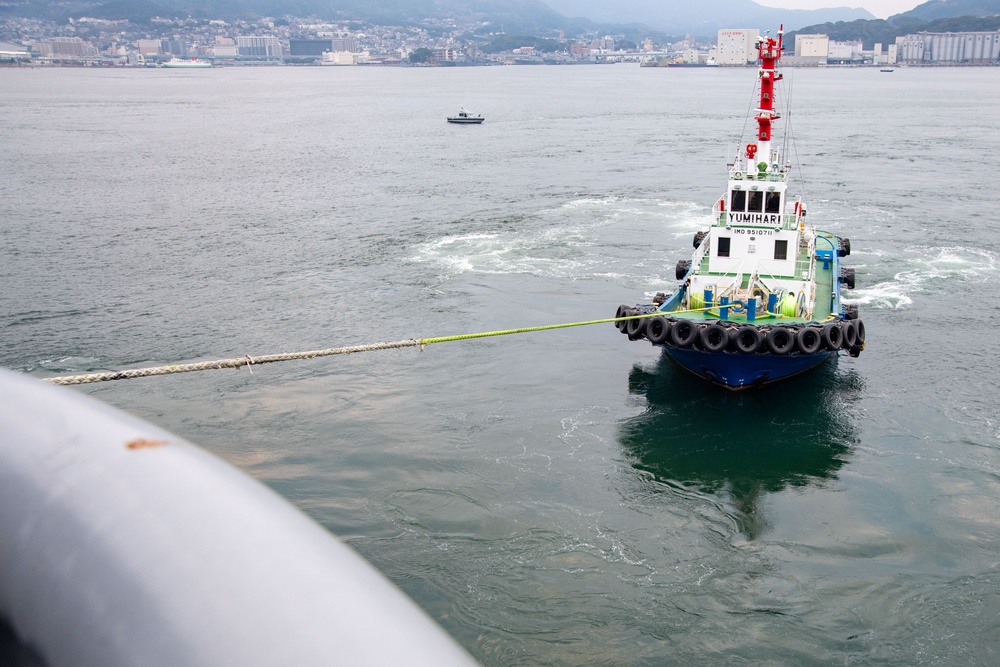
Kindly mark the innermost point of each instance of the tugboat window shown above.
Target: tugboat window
(772, 203)
(739, 202)
(756, 202)
(723, 246)
(781, 249)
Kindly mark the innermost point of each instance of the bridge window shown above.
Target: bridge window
(723, 249)
(772, 203)
(756, 203)
(781, 249)
(739, 201)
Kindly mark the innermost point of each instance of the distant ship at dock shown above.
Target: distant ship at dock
(193, 63)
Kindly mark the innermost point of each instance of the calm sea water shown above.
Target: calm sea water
(555, 498)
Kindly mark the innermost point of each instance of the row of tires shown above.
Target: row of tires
(745, 339)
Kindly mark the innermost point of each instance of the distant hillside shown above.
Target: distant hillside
(532, 17)
(942, 9)
(633, 18)
(886, 32)
(704, 17)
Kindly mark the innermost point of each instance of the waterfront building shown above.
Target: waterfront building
(65, 48)
(737, 47)
(812, 48)
(150, 47)
(845, 53)
(450, 55)
(9, 51)
(972, 48)
(310, 47)
(259, 46)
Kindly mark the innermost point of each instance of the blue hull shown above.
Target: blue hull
(741, 371)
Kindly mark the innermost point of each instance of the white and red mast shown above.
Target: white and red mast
(768, 53)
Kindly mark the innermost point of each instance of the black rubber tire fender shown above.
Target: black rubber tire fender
(808, 340)
(683, 266)
(658, 330)
(747, 339)
(636, 329)
(713, 338)
(621, 312)
(861, 332)
(683, 333)
(833, 336)
(849, 278)
(780, 340)
(850, 333)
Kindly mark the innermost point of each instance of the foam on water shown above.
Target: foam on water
(588, 237)
(926, 271)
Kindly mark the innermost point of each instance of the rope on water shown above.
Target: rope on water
(249, 361)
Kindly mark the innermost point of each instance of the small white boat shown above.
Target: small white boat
(193, 63)
(465, 117)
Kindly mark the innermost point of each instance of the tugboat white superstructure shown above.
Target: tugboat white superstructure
(760, 298)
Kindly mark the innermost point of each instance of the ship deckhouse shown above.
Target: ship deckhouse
(758, 244)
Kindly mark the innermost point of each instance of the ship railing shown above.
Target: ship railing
(724, 288)
(699, 253)
(810, 304)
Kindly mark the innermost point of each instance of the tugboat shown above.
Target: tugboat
(465, 117)
(760, 298)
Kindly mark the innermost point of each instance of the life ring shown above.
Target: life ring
(713, 338)
(751, 151)
(747, 339)
(739, 175)
(850, 333)
(658, 330)
(798, 208)
(833, 336)
(808, 340)
(683, 333)
(780, 340)
(636, 328)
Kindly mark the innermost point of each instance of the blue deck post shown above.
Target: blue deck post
(751, 309)
(708, 297)
(724, 309)
(772, 302)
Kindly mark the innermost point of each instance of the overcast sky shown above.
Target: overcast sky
(882, 9)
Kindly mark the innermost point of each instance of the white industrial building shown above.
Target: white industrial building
(973, 48)
(737, 47)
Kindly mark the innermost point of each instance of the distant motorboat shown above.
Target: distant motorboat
(193, 63)
(886, 69)
(465, 117)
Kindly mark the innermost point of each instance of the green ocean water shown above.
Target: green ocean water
(564, 497)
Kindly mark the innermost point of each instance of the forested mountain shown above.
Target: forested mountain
(942, 9)
(986, 18)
